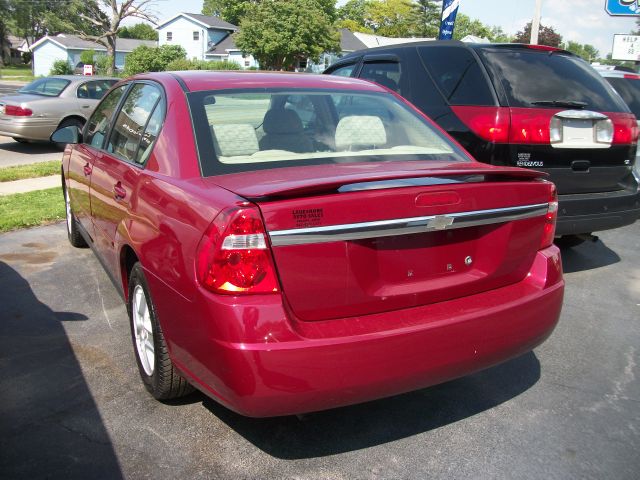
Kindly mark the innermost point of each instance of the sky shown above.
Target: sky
(583, 21)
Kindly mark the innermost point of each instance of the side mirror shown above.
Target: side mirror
(64, 135)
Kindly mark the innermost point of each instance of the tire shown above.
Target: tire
(568, 241)
(20, 140)
(73, 232)
(157, 371)
(69, 122)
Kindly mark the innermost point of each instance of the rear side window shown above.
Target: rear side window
(127, 135)
(458, 76)
(384, 73)
(98, 124)
(533, 79)
(344, 71)
(629, 90)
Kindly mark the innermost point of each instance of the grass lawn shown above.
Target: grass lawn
(31, 209)
(16, 72)
(33, 170)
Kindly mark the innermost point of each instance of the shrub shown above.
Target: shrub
(184, 64)
(101, 64)
(152, 59)
(61, 67)
(87, 57)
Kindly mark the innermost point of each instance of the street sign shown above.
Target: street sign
(622, 7)
(448, 20)
(626, 47)
(88, 69)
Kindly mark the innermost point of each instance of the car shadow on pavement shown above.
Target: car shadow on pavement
(378, 422)
(588, 256)
(50, 426)
(29, 148)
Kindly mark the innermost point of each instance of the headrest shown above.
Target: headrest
(235, 139)
(361, 130)
(282, 121)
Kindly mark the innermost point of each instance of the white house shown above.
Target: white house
(69, 47)
(203, 37)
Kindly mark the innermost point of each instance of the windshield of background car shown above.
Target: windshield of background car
(629, 90)
(536, 79)
(256, 129)
(49, 87)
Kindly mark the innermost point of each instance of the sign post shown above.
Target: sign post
(448, 20)
(626, 47)
(621, 8)
(88, 70)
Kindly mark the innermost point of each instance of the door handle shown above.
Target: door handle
(87, 170)
(119, 192)
(86, 106)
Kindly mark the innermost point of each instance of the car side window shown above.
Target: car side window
(94, 90)
(98, 123)
(344, 71)
(128, 129)
(150, 134)
(384, 73)
(458, 75)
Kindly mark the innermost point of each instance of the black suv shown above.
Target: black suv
(524, 105)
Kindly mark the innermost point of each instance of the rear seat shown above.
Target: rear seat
(234, 140)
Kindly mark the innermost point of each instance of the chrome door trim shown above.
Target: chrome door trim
(404, 226)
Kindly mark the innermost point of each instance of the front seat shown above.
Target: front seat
(284, 131)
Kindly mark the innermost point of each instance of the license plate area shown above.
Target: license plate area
(578, 132)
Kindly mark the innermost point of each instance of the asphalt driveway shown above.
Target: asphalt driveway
(71, 404)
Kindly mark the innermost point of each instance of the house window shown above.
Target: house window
(169, 36)
(196, 36)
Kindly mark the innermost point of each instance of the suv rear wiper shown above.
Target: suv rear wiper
(560, 103)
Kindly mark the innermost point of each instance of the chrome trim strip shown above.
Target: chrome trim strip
(404, 226)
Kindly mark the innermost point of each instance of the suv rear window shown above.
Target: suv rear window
(537, 79)
(256, 129)
(629, 90)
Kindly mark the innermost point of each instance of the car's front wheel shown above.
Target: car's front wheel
(73, 233)
(158, 373)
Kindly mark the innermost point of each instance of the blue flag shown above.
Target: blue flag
(448, 21)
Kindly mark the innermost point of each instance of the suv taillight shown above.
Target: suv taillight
(550, 218)
(625, 128)
(233, 256)
(17, 111)
(489, 123)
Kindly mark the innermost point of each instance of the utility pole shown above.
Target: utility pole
(535, 24)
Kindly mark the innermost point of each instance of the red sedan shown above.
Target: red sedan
(289, 243)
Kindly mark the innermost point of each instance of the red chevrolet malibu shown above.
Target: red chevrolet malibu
(289, 243)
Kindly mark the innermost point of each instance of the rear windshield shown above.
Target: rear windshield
(629, 90)
(535, 79)
(256, 129)
(49, 87)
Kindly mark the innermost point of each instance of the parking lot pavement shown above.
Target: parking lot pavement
(14, 153)
(72, 406)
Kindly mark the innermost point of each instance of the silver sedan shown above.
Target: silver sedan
(39, 108)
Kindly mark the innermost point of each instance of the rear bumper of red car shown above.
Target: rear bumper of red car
(431, 344)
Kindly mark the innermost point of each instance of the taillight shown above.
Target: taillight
(489, 123)
(550, 218)
(17, 111)
(625, 128)
(233, 256)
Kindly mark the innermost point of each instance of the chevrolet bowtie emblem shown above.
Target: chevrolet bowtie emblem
(439, 222)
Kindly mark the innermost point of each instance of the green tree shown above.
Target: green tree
(391, 18)
(467, 26)
(354, 10)
(353, 26)
(231, 11)
(278, 33)
(427, 18)
(546, 36)
(4, 31)
(586, 51)
(61, 67)
(141, 31)
(152, 59)
(87, 57)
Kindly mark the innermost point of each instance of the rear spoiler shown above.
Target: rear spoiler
(375, 181)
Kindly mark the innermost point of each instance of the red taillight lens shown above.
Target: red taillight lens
(625, 128)
(489, 123)
(531, 125)
(550, 218)
(17, 111)
(233, 256)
